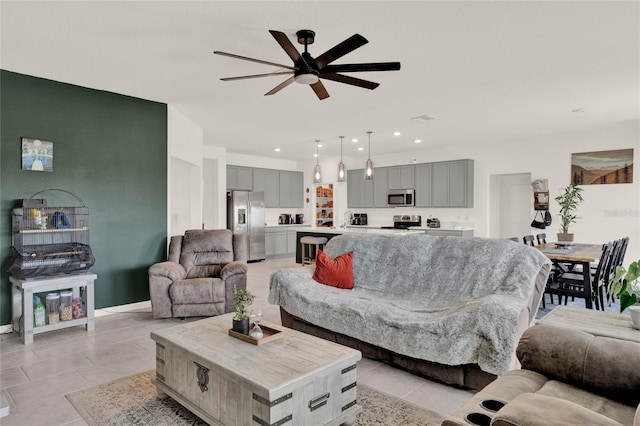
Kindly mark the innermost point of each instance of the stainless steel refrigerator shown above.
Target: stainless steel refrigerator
(245, 215)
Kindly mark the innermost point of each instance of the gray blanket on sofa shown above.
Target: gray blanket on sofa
(444, 299)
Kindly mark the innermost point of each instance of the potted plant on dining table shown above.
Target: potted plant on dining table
(626, 285)
(568, 201)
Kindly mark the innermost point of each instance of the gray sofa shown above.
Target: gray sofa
(568, 377)
(446, 307)
(198, 277)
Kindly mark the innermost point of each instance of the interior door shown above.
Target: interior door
(511, 205)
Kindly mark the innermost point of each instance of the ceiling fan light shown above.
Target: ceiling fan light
(306, 78)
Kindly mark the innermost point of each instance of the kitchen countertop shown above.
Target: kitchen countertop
(413, 228)
(361, 230)
(290, 225)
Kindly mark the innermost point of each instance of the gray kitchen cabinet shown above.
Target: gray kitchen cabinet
(267, 181)
(275, 242)
(291, 189)
(359, 190)
(423, 185)
(401, 177)
(453, 183)
(240, 178)
(380, 187)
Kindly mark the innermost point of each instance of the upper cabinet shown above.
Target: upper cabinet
(401, 177)
(440, 184)
(240, 178)
(282, 188)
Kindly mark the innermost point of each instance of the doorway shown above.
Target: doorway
(511, 205)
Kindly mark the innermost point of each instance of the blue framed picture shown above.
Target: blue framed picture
(37, 155)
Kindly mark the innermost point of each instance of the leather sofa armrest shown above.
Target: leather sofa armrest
(540, 410)
(172, 270)
(233, 268)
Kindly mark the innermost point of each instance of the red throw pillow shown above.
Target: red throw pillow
(335, 273)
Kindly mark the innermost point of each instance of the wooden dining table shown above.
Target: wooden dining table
(575, 254)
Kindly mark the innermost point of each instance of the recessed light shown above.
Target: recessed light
(319, 145)
(417, 141)
(354, 140)
(277, 150)
(396, 133)
(315, 155)
(360, 148)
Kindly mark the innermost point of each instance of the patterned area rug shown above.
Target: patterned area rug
(133, 400)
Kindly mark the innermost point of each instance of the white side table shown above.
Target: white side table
(22, 291)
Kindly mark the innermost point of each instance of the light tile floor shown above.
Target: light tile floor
(35, 378)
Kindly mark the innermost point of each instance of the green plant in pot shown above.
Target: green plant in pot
(568, 201)
(242, 299)
(626, 285)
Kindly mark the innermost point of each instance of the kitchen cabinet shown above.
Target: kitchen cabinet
(453, 183)
(380, 187)
(359, 190)
(291, 189)
(275, 242)
(401, 177)
(267, 181)
(240, 178)
(423, 184)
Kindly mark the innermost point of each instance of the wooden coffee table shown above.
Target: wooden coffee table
(598, 323)
(294, 379)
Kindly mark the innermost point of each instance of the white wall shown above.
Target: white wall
(184, 163)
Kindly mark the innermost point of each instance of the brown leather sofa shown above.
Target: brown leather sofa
(198, 277)
(568, 377)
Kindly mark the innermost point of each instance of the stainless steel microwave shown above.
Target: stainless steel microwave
(401, 198)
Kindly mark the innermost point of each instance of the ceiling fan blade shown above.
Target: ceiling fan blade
(260, 61)
(340, 49)
(244, 77)
(350, 80)
(286, 44)
(280, 86)
(321, 91)
(371, 66)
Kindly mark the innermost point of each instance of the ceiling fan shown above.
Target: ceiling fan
(309, 70)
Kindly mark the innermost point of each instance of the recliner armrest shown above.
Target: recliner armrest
(172, 270)
(233, 268)
(533, 409)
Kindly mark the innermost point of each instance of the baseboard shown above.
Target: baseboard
(99, 312)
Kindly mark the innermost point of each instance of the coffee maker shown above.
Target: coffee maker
(299, 218)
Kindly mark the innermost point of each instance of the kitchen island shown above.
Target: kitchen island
(329, 233)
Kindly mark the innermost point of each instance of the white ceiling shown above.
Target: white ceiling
(488, 72)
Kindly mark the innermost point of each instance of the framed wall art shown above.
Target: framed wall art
(602, 167)
(37, 155)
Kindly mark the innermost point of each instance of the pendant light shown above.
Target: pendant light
(342, 169)
(317, 176)
(368, 167)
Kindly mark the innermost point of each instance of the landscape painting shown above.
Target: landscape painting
(602, 167)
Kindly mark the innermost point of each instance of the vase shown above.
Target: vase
(567, 238)
(241, 326)
(634, 311)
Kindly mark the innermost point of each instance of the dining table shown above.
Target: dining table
(562, 254)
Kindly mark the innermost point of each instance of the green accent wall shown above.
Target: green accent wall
(110, 151)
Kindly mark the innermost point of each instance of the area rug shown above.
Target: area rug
(133, 400)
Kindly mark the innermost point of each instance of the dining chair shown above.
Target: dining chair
(528, 240)
(542, 238)
(571, 284)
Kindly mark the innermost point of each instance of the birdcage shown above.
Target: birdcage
(50, 240)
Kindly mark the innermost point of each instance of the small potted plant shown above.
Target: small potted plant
(626, 285)
(242, 299)
(569, 201)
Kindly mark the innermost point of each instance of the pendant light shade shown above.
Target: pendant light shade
(342, 169)
(368, 167)
(317, 174)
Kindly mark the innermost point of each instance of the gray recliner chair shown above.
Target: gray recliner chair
(198, 277)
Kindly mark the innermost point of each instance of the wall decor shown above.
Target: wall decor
(37, 155)
(602, 167)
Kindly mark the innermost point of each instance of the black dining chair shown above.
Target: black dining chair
(528, 240)
(571, 284)
(542, 238)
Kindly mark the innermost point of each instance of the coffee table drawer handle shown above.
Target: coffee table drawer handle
(318, 402)
(202, 373)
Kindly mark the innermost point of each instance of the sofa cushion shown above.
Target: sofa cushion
(583, 359)
(198, 290)
(204, 252)
(336, 272)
